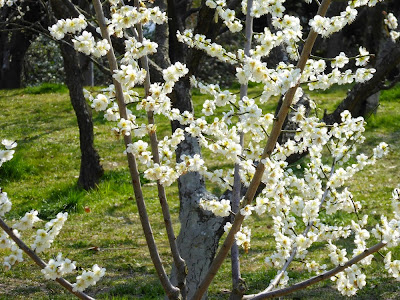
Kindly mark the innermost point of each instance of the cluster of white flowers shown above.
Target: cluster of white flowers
(393, 267)
(350, 281)
(45, 237)
(392, 24)
(396, 202)
(58, 267)
(312, 135)
(391, 21)
(27, 221)
(242, 238)
(55, 268)
(340, 61)
(7, 2)
(220, 208)
(263, 7)
(86, 44)
(5, 203)
(361, 236)
(169, 172)
(226, 14)
(88, 278)
(63, 27)
(317, 79)
(289, 31)
(139, 149)
(14, 257)
(127, 16)
(201, 42)
(326, 26)
(130, 75)
(221, 98)
(387, 231)
(8, 153)
(267, 41)
(135, 50)
(100, 103)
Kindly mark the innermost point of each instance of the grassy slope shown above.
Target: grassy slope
(44, 171)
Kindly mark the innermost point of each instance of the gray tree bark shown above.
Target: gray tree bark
(200, 231)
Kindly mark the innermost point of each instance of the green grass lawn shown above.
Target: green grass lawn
(45, 169)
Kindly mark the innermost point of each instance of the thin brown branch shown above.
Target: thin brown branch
(171, 291)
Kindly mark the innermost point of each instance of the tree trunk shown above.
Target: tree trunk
(200, 230)
(87, 70)
(91, 169)
(14, 47)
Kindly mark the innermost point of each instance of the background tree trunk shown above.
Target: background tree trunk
(13, 46)
(91, 169)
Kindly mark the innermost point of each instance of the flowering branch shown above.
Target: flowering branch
(277, 278)
(178, 260)
(171, 291)
(318, 278)
(249, 196)
(65, 283)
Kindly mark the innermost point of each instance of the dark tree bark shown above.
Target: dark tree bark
(91, 169)
(13, 46)
(13, 51)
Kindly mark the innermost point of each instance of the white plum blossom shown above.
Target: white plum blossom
(27, 221)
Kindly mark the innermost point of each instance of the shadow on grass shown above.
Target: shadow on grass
(16, 169)
(45, 88)
(64, 199)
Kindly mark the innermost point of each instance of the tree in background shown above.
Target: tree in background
(19, 31)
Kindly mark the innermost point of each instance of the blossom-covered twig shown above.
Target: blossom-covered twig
(32, 254)
(171, 291)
